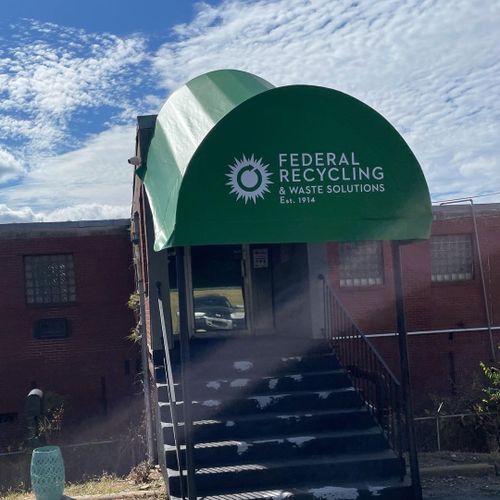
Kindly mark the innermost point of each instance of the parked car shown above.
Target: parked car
(215, 312)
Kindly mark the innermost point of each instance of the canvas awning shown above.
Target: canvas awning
(235, 160)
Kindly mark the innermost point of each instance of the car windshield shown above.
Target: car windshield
(211, 301)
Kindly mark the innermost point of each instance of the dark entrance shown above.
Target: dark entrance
(292, 314)
(219, 290)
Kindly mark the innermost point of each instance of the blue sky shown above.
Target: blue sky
(74, 75)
(120, 17)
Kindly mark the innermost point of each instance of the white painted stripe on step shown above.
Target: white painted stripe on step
(211, 402)
(273, 383)
(335, 493)
(242, 366)
(239, 382)
(231, 468)
(253, 495)
(214, 384)
(301, 440)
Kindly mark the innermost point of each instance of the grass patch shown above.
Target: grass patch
(142, 477)
(104, 485)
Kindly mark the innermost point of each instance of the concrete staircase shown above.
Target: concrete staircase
(276, 418)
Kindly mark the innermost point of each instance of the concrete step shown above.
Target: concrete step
(282, 446)
(246, 366)
(255, 426)
(274, 474)
(276, 413)
(231, 348)
(390, 489)
(266, 403)
(264, 385)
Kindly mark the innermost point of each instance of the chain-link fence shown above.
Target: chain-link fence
(460, 432)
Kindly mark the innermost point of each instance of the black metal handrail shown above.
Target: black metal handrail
(169, 380)
(372, 378)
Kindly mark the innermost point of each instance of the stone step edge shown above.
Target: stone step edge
(338, 371)
(317, 461)
(349, 489)
(271, 416)
(280, 438)
(256, 361)
(326, 393)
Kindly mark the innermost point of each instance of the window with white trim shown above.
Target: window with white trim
(49, 279)
(361, 263)
(451, 257)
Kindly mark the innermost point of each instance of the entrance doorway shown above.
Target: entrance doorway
(263, 289)
(220, 290)
(281, 290)
(292, 309)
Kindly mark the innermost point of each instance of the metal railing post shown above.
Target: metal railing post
(369, 373)
(185, 370)
(405, 370)
(172, 397)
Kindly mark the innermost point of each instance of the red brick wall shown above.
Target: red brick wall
(96, 350)
(440, 362)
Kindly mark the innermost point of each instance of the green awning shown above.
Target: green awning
(235, 160)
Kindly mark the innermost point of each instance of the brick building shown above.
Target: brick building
(72, 341)
(273, 277)
(65, 318)
(447, 295)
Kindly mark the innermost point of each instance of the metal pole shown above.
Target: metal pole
(438, 425)
(481, 271)
(483, 283)
(172, 397)
(438, 432)
(405, 370)
(185, 365)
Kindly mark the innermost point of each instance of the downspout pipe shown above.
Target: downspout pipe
(481, 270)
(144, 345)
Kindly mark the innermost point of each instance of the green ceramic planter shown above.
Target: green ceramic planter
(47, 473)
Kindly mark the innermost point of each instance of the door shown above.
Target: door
(291, 294)
(220, 290)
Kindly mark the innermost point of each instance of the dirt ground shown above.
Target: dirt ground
(466, 484)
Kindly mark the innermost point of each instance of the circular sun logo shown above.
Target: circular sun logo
(249, 179)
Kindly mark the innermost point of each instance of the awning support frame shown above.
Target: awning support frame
(405, 369)
(184, 335)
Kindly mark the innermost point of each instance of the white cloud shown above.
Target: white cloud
(52, 73)
(10, 166)
(431, 68)
(24, 214)
(89, 211)
(92, 182)
(56, 84)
